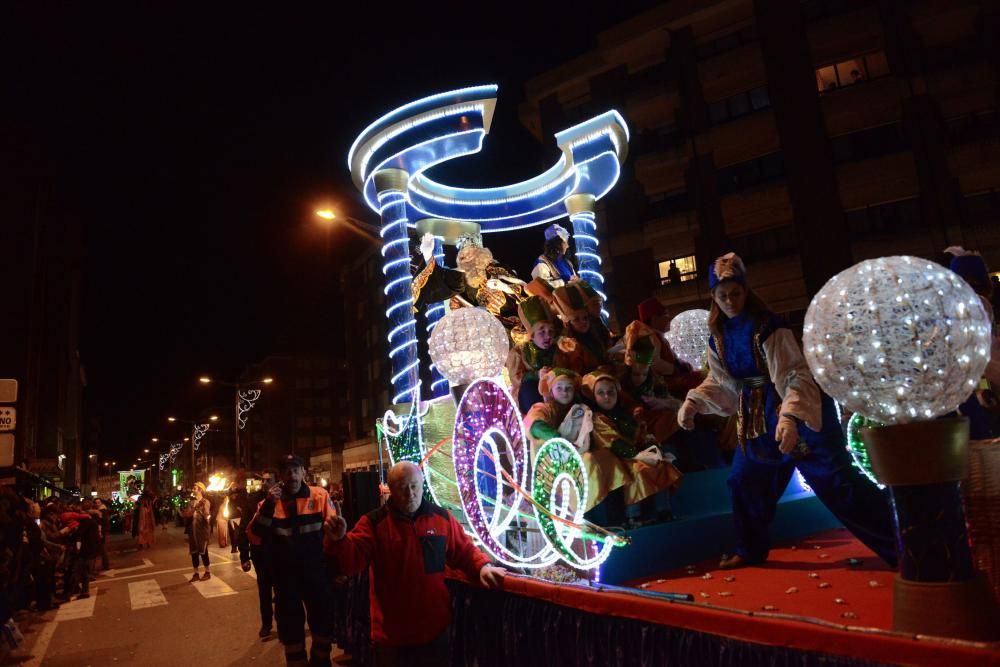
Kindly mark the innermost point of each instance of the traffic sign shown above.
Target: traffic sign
(8, 390)
(8, 418)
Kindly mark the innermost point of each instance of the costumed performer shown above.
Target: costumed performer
(585, 340)
(552, 265)
(488, 283)
(757, 372)
(559, 416)
(645, 390)
(617, 431)
(981, 407)
(527, 358)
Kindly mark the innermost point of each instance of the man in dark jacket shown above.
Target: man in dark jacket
(258, 554)
(407, 543)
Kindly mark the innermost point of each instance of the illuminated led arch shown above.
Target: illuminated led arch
(389, 161)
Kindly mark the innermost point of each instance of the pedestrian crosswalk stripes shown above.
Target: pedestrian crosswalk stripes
(213, 588)
(144, 594)
(70, 611)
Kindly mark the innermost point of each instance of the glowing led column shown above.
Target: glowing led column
(390, 184)
(581, 214)
(439, 385)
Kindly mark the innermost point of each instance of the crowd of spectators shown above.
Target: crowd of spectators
(50, 551)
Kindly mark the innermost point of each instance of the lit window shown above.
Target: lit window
(685, 269)
(851, 71)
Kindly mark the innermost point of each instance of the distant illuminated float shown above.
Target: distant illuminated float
(474, 454)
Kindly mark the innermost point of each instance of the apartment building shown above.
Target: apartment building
(805, 136)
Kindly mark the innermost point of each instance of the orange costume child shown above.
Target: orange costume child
(619, 432)
(559, 416)
(585, 339)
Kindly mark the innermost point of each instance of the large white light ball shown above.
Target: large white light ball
(897, 339)
(468, 344)
(688, 337)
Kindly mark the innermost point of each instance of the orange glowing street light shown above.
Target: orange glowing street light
(326, 214)
(171, 419)
(213, 418)
(154, 439)
(145, 451)
(204, 379)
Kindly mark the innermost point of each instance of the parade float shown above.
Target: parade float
(454, 415)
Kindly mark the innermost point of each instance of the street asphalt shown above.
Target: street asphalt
(144, 611)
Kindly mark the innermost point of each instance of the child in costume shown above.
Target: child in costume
(757, 372)
(526, 359)
(644, 389)
(585, 339)
(560, 416)
(617, 431)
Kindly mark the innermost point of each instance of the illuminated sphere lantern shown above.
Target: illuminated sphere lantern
(688, 337)
(897, 339)
(468, 344)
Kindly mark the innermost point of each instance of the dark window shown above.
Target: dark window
(870, 143)
(759, 99)
(738, 105)
(667, 203)
(657, 140)
(974, 127)
(727, 42)
(768, 244)
(751, 173)
(885, 219)
(982, 209)
(718, 112)
(851, 71)
(817, 9)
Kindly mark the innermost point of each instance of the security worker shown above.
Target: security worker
(259, 555)
(291, 520)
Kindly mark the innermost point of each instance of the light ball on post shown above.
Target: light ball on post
(468, 344)
(688, 337)
(897, 339)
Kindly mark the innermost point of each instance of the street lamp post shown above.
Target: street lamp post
(245, 396)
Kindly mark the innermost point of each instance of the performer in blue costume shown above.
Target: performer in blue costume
(784, 421)
(982, 407)
(552, 265)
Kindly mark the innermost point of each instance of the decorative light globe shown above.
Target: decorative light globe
(468, 344)
(688, 337)
(897, 339)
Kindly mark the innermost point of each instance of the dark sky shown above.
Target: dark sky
(191, 146)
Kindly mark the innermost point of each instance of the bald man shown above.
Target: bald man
(407, 543)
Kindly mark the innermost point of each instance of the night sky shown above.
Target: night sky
(191, 145)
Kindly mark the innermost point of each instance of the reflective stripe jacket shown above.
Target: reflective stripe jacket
(295, 524)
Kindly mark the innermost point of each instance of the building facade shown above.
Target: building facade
(367, 382)
(804, 136)
(40, 280)
(304, 411)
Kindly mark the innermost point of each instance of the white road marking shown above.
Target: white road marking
(146, 593)
(213, 588)
(77, 609)
(252, 572)
(41, 646)
(115, 572)
(186, 568)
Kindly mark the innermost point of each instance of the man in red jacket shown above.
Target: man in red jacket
(407, 543)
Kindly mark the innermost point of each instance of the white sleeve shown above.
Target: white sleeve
(541, 270)
(992, 372)
(719, 393)
(787, 367)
